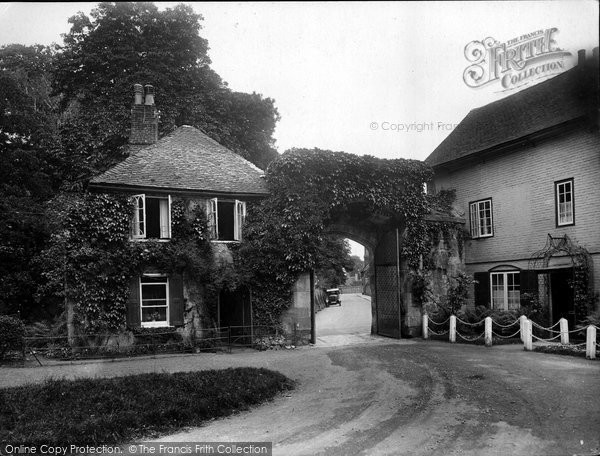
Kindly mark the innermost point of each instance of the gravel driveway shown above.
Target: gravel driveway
(409, 397)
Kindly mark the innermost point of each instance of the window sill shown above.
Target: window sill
(149, 239)
(224, 242)
(156, 324)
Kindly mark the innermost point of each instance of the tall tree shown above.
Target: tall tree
(121, 44)
(27, 176)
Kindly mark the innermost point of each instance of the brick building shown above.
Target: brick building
(526, 171)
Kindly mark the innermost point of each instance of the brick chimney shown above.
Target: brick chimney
(144, 116)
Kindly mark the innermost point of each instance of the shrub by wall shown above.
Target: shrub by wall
(12, 331)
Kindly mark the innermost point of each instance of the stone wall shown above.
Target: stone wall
(296, 320)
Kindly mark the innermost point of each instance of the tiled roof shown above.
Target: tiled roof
(186, 159)
(547, 104)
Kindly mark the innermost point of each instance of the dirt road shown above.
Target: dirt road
(380, 396)
(352, 317)
(423, 398)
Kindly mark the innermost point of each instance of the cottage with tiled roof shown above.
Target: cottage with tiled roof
(526, 172)
(190, 167)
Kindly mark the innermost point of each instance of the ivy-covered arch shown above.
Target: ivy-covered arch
(313, 191)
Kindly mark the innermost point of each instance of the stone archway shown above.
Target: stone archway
(380, 203)
(382, 237)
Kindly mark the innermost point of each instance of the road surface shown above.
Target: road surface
(422, 398)
(363, 395)
(353, 317)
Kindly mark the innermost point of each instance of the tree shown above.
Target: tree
(334, 261)
(121, 44)
(27, 177)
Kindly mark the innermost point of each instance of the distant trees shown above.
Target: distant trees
(334, 261)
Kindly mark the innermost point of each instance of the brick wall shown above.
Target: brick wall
(144, 125)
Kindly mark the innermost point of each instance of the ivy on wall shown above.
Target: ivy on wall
(91, 260)
(283, 236)
(584, 298)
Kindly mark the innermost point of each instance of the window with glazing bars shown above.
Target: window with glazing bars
(481, 218)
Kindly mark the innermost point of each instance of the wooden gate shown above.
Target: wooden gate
(387, 293)
(388, 304)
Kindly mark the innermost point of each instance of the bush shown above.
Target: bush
(534, 310)
(153, 336)
(591, 319)
(12, 332)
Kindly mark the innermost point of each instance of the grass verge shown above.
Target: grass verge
(122, 409)
(569, 350)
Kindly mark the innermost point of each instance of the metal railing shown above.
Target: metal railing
(154, 342)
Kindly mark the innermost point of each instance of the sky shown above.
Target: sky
(377, 78)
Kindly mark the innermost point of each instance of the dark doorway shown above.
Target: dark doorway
(235, 313)
(562, 296)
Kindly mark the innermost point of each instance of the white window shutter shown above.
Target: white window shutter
(212, 213)
(138, 221)
(474, 221)
(238, 220)
(169, 219)
(165, 217)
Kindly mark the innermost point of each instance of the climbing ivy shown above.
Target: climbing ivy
(91, 260)
(284, 235)
(584, 298)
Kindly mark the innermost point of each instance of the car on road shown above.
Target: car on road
(333, 297)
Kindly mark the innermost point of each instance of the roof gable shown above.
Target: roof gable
(547, 104)
(186, 160)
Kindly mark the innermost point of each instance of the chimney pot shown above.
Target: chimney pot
(149, 94)
(144, 117)
(138, 92)
(581, 57)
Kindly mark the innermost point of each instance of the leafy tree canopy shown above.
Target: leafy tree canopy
(27, 175)
(121, 44)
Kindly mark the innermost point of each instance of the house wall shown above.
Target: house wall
(521, 185)
(200, 308)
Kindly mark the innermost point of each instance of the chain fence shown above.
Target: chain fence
(527, 331)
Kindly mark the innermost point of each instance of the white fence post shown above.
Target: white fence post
(488, 331)
(522, 321)
(590, 342)
(425, 326)
(452, 328)
(528, 335)
(564, 331)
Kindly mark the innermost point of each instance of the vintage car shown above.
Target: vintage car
(333, 297)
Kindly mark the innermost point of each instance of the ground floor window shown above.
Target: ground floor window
(505, 290)
(154, 292)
